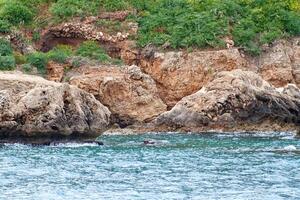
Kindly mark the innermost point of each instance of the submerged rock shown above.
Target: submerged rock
(236, 100)
(33, 107)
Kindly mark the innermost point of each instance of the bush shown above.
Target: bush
(16, 13)
(4, 26)
(26, 68)
(189, 23)
(92, 50)
(5, 48)
(7, 63)
(20, 59)
(60, 53)
(38, 60)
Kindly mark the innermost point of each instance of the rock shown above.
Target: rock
(275, 65)
(33, 107)
(296, 60)
(236, 100)
(130, 95)
(55, 71)
(179, 74)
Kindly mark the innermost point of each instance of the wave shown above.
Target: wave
(75, 145)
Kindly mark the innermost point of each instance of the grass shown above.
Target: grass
(180, 23)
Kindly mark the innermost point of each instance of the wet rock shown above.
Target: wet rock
(32, 107)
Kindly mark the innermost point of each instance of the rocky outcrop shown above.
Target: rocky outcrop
(130, 95)
(78, 30)
(236, 100)
(279, 64)
(179, 74)
(32, 107)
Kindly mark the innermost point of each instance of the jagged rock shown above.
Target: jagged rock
(179, 74)
(129, 94)
(236, 100)
(31, 106)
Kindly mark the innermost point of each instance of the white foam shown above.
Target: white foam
(290, 148)
(74, 145)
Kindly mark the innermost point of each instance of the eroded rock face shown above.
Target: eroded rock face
(30, 106)
(179, 74)
(236, 100)
(130, 95)
(280, 64)
(276, 64)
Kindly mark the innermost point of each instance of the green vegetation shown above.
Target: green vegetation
(38, 60)
(4, 26)
(185, 24)
(92, 50)
(60, 53)
(16, 13)
(7, 60)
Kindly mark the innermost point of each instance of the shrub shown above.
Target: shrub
(20, 59)
(26, 68)
(16, 13)
(5, 48)
(4, 26)
(60, 53)
(92, 50)
(38, 60)
(7, 63)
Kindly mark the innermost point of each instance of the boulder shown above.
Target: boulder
(32, 107)
(130, 95)
(236, 100)
(179, 74)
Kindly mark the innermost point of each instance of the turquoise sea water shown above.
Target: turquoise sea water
(178, 166)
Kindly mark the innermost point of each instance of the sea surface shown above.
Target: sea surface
(177, 166)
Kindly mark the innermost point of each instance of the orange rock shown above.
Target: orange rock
(179, 74)
(130, 95)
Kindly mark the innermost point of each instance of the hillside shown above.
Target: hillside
(168, 24)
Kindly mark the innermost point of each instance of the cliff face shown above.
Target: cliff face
(179, 74)
(215, 89)
(236, 100)
(280, 64)
(187, 91)
(31, 106)
(130, 95)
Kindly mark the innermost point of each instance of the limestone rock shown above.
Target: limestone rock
(130, 95)
(236, 100)
(179, 74)
(31, 106)
(276, 65)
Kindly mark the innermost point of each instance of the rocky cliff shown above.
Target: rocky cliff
(164, 91)
(236, 100)
(31, 106)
